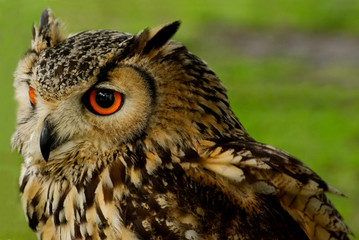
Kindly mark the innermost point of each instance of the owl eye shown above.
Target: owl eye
(104, 101)
(32, 96)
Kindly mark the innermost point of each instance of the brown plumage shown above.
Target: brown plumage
(132, 137)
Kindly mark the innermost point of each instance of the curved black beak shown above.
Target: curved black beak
(46, 140)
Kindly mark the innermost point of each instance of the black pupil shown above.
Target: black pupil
(105, 98)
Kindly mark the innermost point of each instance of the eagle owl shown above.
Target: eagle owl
(132, 137)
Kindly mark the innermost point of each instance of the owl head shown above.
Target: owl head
(96, 92)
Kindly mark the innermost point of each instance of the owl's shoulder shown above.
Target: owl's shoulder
(262, 181)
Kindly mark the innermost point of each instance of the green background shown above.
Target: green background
(291, 69)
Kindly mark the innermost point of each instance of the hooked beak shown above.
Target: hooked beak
(46, 140)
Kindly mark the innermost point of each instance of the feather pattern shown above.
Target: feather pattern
(172, 162)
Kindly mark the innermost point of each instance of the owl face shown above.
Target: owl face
(96, 91)
(73, 98)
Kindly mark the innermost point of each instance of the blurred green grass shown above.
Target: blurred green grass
(306, 107)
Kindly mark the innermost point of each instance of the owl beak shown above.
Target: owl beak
(46, 140)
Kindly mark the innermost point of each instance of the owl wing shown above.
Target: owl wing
(245, 169)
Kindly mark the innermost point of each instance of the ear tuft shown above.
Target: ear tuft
(44, 19)
(49, 32)
(160, 36)
(33, 32)
(148, 40)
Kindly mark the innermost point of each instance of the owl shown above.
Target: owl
(132, 137)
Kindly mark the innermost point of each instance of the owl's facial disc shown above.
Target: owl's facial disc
(103, 115)
(93, 90)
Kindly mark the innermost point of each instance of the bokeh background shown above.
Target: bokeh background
(291, 69)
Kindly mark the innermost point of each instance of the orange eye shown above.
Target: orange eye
(104, 101)
(32, 96)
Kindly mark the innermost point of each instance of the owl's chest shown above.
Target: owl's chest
(111, 203)
(121, 203)
(68, 209)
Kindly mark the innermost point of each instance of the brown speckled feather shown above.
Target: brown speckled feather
(171, 162)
